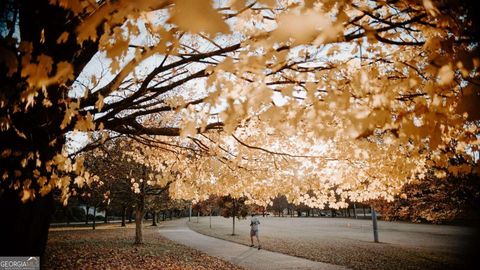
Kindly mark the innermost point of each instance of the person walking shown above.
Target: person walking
(254, 222)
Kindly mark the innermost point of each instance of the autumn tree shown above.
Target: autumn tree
(235, 208)
(121, 194)
(155, 204)
(319, 90)
(127, 182)
(279, 204)
(445, 195)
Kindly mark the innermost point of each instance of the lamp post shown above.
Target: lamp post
(375, 226)
(190, 211)
(354, 211)
(374, 214)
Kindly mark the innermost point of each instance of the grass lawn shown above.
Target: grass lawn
(111, 247)
(349, 242)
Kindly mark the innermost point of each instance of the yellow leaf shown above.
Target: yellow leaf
(85, 123)
(198, 16)
(69, 113)
(27, 194)
(431, 9)
(301, 28)
(188, 129)
(99, 104)
(79, 181)
(445, 75)
(288, 91)
(62, 38)
(268, 3)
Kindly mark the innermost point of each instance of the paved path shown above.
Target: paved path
(241, 255)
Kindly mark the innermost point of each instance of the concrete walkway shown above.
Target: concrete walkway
(244, 256)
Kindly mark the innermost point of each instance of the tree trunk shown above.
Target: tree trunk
(138, 225)
(94, 216)
(67, 214)
(130, 213)
(154, 220)
(139, 213)
(124, 210)
(233, 215)
(86, 215)
(24, 226)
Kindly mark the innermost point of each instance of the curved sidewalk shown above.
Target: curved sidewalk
(244, 256)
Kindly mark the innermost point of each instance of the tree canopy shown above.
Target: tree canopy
(345, 99)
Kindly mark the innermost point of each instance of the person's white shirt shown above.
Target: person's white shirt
(254, 223)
